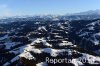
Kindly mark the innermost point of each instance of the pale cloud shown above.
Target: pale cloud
(5, 11)
(3, 6)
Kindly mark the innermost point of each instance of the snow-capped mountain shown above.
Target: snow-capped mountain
(90, 12)
(29, 43)
(30, 40)
(88, 15)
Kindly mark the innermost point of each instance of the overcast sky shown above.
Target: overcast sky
(36, 7)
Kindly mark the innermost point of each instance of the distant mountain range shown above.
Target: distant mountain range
(90, 12)
(87, 15)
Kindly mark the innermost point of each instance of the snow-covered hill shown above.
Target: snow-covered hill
(29, 43)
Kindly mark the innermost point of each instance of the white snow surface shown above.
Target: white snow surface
(4, 37)
(41, 64)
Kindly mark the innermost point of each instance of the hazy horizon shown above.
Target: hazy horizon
(55, 7)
